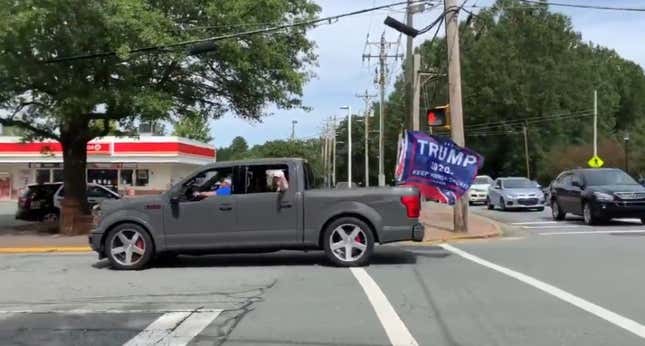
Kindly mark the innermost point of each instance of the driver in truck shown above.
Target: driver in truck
(221, 189)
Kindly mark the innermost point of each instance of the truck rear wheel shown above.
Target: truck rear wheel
(348, 242)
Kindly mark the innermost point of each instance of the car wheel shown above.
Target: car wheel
(557, 212)
(588, 216)
(348, 242)
(502, 203)
(129, 247)
(50, 217)
(489, 204)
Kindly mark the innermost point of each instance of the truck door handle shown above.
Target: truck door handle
(226, 207)
(286, 205)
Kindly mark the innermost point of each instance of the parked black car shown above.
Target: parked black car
(36, 203)
(598, 194)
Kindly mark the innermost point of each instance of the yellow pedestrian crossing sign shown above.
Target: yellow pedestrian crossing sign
(595, 162)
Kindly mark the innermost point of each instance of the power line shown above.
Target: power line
(541, 117)
(592, 7)
(329, 20)
(500, 130)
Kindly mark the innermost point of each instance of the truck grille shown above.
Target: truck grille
(630, 195)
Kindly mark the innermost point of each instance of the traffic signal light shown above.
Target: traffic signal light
(438, 116)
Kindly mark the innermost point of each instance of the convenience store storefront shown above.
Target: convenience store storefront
(144, 165)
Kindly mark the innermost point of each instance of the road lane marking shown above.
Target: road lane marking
(158, 329)
(642, 231)
(188, 329)
(102, 311)
(607, 315)
(550, 227)
(534, 223)
(174, 328)
(394, 327)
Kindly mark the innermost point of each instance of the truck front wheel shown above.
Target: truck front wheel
(348, 242)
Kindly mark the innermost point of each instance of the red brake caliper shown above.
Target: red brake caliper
(358, 239)
(139, 243)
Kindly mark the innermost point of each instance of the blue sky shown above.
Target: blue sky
(341, 73)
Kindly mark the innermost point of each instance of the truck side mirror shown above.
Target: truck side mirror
(174, 200)
(576, 184)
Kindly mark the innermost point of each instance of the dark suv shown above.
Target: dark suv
(36, 203)
(598, 194)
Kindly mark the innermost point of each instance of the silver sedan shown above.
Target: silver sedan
(515, 193)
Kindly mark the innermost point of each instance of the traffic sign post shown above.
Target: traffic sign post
(595, 162)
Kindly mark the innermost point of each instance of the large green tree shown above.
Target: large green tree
(70, 69)
(524, 62)
(235, 151)
(194, 126)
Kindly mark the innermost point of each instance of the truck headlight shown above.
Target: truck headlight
(605, 197)
(96, 214)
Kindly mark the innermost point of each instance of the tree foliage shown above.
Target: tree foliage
(309, 150)
(52, 90)
(193, 127)
(235, 151)
(523, 62)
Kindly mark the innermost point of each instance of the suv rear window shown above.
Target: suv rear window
(41, 190)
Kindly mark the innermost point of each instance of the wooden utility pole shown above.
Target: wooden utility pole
(456, 111)
(382, 56)
(410, 75)
(416, 91)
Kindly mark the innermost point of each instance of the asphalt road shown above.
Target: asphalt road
(542, 286)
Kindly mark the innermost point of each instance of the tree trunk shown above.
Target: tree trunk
(74, 209)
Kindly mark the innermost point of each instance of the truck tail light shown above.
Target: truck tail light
(412, 205)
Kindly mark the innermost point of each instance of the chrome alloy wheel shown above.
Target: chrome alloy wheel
(348, 242)
(128, 247)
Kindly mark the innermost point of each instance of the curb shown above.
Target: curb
(44, 249)
(499, 231)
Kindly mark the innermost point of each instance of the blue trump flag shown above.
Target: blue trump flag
(439, 168)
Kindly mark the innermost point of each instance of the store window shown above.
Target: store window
(105, 177)
(142, 177)
(42, 176)
(57, 175)
(126, 177)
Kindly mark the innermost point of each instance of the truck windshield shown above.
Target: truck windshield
(608, 177)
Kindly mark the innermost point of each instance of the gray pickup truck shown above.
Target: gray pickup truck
(203, 214)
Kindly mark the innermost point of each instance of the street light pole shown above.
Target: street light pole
(333, 149)
(349, 144)
(626, 139)
(293, 129)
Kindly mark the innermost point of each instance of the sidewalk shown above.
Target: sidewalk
(39, 237)
(438, 220)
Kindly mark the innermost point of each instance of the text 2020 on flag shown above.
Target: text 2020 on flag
(439, 168)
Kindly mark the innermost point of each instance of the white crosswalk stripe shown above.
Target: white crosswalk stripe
(549, 227)
(534, 223)
(174, 328)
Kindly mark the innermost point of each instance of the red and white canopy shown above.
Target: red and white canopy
(144, 149)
